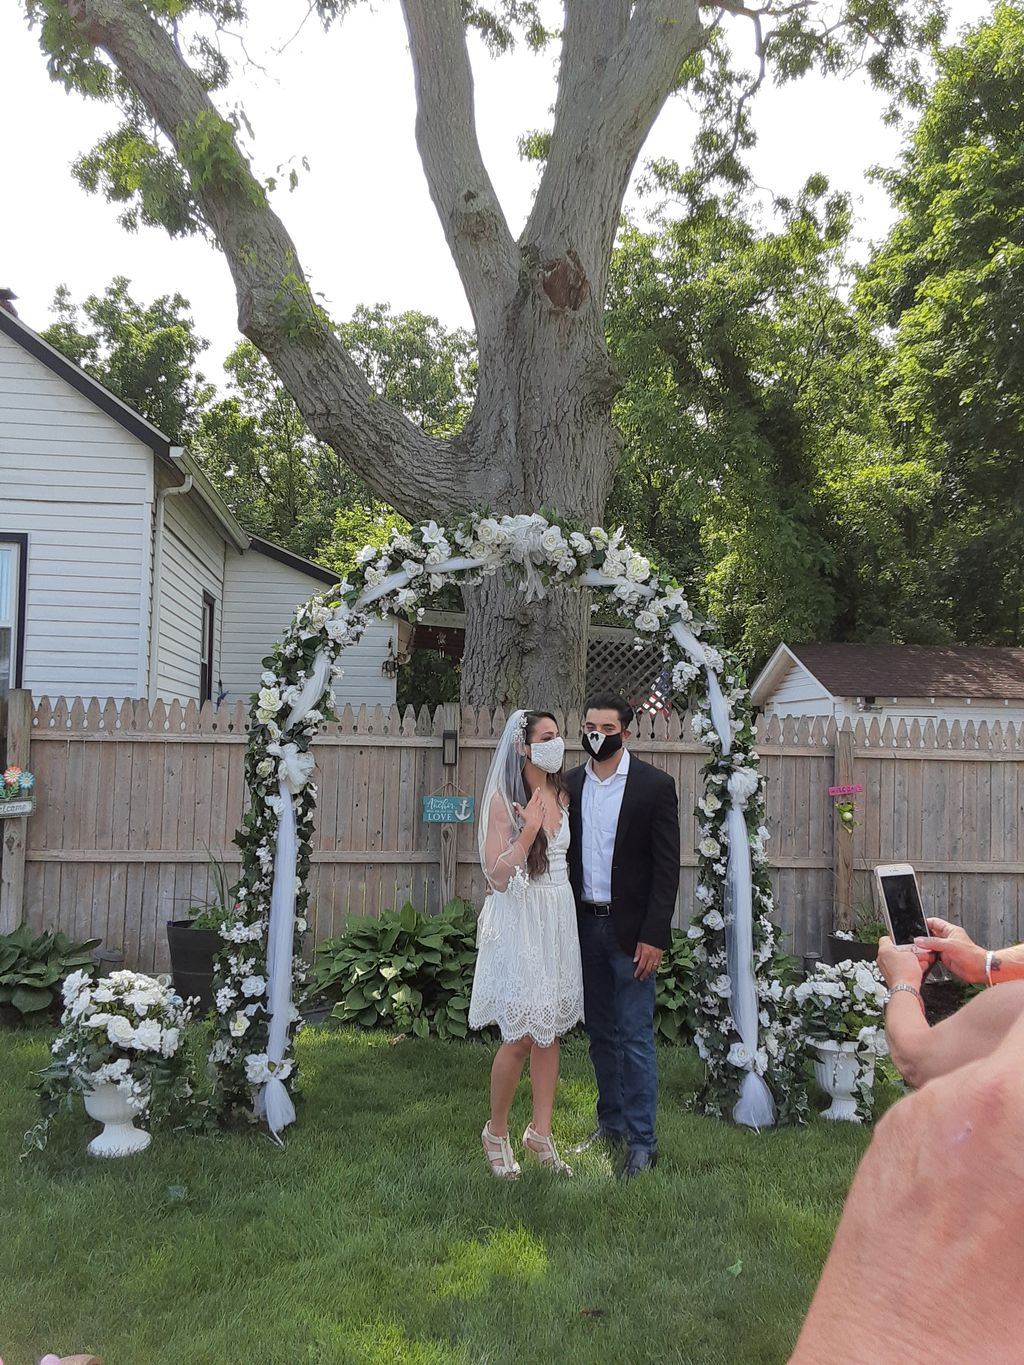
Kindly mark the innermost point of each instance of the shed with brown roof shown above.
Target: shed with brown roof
(901, 682)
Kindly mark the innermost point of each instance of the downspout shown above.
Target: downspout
(158, 565)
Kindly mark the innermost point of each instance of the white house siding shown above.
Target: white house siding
(80, 487)
(193, 563)
(260, 597)
(798, 694)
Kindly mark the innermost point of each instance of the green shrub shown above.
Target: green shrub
(674, 1007)
(408, 971)
(32, 971)
(405, 971)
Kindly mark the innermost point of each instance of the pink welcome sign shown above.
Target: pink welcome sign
(846, 791)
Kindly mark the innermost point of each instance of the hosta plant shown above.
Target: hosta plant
(33, 968)
(405, 971)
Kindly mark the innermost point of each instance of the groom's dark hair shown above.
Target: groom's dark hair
(610, 701)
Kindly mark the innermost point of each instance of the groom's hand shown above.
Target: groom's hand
(647, 960)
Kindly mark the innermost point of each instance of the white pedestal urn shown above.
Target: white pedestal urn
(837, 1069)
(119, 1137)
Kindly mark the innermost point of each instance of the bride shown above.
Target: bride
(528, 977)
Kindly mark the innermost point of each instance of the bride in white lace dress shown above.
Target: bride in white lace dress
(528, 976)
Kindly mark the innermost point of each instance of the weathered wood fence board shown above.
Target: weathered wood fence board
(134, 802)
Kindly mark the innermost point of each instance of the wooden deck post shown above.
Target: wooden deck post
(14, 832)
(842, 840)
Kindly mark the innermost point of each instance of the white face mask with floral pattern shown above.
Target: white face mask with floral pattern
(549, 754)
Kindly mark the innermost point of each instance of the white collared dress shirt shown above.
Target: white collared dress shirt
(602, 802)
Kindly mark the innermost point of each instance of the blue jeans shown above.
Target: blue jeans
(619, 1021)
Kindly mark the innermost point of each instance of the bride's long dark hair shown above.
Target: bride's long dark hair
(537, 858)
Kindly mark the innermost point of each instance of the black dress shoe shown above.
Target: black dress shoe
(637, 1161)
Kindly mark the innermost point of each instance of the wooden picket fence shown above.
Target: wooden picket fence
(134, 802)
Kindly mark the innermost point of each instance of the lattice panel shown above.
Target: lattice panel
(615, 663)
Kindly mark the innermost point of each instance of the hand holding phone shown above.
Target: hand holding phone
(900, 898)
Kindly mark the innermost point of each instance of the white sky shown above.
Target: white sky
(362, 219)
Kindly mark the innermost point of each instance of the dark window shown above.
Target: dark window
(13, 575)
(206, 657)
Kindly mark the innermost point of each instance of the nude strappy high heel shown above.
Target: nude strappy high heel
(500, 1158)
(543, 1149)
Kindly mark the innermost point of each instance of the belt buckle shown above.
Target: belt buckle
(601, 910)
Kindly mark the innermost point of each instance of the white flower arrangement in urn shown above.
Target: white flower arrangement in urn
(839, 1012)
(120, 1048)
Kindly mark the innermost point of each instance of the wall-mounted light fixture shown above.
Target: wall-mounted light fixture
(450, 748)
(389, 668)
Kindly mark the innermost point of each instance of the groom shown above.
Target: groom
(624, 868)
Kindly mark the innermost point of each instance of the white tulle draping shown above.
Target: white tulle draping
(273, 1101)
(294, 771)
(755, 1107)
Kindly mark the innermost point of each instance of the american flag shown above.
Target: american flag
(658, 698)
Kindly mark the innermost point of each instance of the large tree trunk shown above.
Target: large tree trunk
(540, 436)
(542, 423)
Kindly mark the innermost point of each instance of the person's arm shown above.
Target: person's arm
(966, 959)
(656, 929)
(926, 1261)
(906, 1028)
(507, 848)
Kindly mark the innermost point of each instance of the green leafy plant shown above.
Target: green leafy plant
(32, 971)
(219, 910)
(403, 971)
(674, 1018)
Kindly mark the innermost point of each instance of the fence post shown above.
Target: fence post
(14, 831)
(842, 840)
(448, 834)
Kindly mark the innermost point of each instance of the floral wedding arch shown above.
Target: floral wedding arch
(740, 1034)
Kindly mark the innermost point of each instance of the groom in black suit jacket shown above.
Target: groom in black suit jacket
(624, 868)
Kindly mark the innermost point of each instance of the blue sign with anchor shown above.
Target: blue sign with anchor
(448, 810)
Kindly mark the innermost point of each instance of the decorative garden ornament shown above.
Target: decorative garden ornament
(107, 1105)
(844, 1071)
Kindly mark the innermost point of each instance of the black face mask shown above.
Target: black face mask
(602, 746)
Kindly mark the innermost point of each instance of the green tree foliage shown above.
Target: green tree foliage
(758, 460)
(147, 354)
(410, 359)
(278, 480)
(949, 283)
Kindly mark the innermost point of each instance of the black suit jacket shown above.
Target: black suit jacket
(645, 862)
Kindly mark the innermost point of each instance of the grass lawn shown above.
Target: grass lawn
(377, 1235)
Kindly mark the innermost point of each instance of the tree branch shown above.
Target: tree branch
(467, 205)
(276, 310)
(612, 87)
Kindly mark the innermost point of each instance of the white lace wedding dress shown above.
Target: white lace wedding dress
(528, 976)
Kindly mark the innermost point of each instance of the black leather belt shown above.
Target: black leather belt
(598, 908)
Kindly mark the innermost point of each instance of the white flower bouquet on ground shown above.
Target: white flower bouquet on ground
(125, 1031)
(839, 1013)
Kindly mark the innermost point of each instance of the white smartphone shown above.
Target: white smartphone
(900, 900)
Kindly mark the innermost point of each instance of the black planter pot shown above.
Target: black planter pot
(192, 953)
(941, 999)
(316, 1013)
(849, 950)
